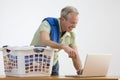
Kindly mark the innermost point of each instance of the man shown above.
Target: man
(58, 34)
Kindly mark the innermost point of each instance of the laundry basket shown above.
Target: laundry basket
(28, 61)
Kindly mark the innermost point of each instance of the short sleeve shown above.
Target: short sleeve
(44, 27)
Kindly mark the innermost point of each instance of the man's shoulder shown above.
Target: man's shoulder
(44, 26)
(50, 18)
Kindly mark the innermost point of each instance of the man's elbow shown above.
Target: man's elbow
(44, 42)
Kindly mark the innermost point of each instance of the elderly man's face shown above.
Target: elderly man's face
(70, 23)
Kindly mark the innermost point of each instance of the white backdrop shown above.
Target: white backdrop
(97, 30)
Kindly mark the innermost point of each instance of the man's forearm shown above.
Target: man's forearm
(52, 44)
(77, 63)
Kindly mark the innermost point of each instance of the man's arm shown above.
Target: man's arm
(45, 40)
(71, 51)
(76, 61)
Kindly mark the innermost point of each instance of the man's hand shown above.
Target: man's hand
(71, 52)
(79, 72)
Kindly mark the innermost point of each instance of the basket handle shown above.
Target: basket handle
(7, 50)
(38, 49)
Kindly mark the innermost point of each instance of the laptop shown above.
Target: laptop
(95, 65)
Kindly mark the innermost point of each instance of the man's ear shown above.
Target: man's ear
(62, 18)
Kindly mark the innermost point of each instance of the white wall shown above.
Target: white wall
(97, 31)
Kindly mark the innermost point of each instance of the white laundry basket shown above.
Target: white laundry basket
(28, 61)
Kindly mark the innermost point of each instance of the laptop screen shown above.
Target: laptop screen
(96, 64)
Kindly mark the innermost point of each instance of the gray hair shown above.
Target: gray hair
(67, 10)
